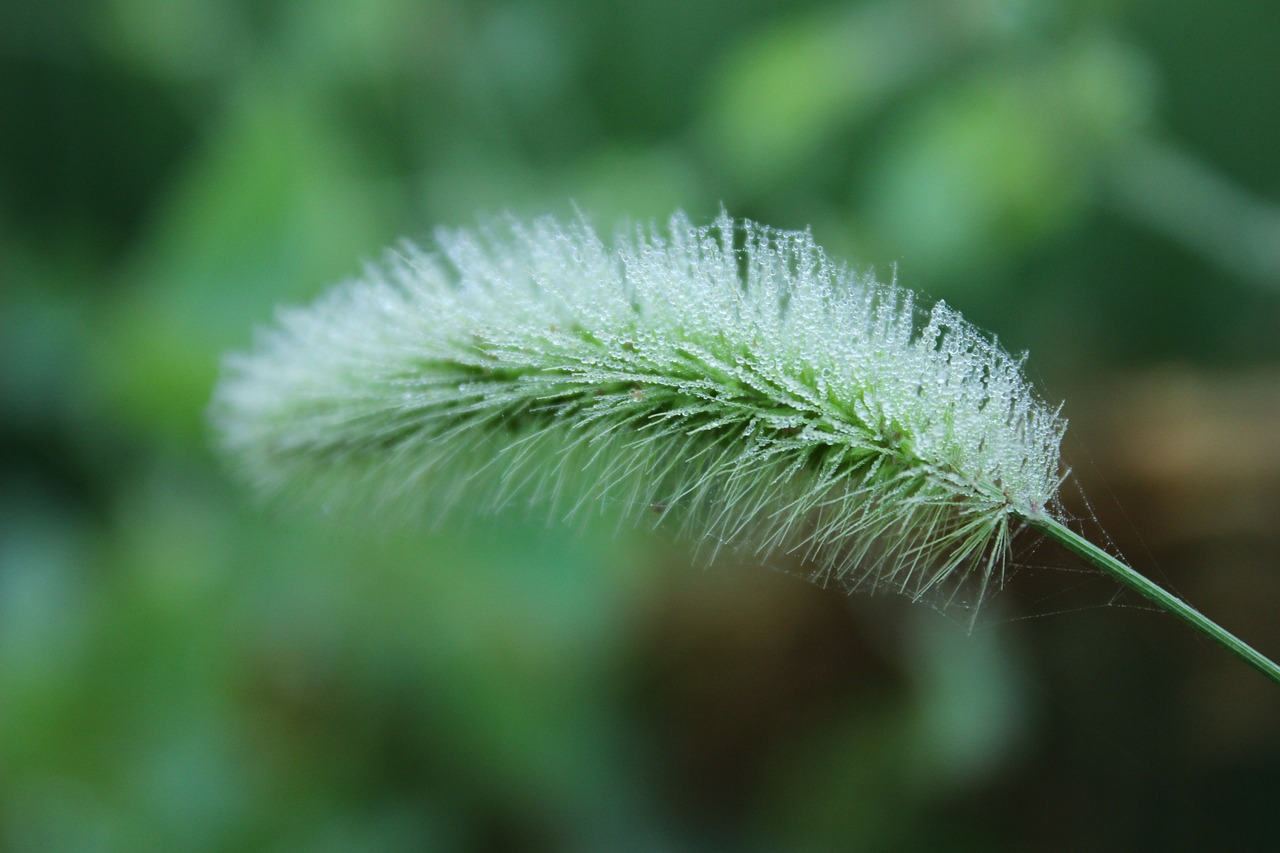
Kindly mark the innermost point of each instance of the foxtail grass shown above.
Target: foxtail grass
(730, 381)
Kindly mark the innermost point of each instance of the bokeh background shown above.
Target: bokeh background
(181, 669)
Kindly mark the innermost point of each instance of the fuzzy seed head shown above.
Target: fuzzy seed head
(730, 379)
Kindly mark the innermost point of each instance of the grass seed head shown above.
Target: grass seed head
(728, 379)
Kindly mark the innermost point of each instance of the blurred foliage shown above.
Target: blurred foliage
(180, 670)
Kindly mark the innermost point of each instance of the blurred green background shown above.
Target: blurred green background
(182, 670)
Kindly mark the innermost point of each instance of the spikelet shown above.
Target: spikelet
(730, 379)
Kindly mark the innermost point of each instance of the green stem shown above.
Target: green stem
(1163, 598)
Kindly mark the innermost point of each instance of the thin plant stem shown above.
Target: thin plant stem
(1164, 599)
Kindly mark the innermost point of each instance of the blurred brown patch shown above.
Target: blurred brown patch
(732, 666)
(1191, 455)
(1185, 478)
